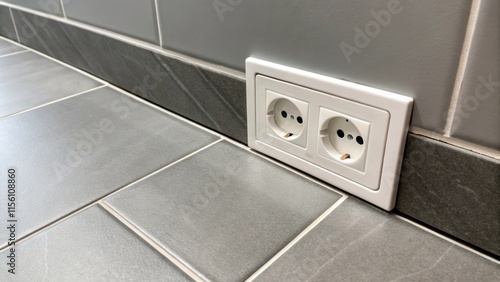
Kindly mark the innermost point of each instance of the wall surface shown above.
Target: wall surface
(408, 47)
(414, 51)
(438, 52)
(477, 114)
(132, 18)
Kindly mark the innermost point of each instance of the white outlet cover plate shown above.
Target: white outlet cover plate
(388, 115)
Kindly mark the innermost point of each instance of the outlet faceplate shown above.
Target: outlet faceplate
(349, 135)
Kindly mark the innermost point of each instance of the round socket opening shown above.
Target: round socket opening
(342, 139)
(288, 123)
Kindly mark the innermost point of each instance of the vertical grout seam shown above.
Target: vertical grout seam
(157, 12)
(462, 65)
(63, 10)
(14, 23)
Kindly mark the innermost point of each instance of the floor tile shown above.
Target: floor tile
(8, 48)
(360, 243)
(211, 98)
(452, 189)
(224, 211)
(28, 80)
(75, 151)
(90, 246)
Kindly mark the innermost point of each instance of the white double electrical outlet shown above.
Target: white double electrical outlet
(347, 134)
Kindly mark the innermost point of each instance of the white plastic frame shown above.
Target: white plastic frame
(397, 106)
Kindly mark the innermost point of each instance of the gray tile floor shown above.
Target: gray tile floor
(110, 188)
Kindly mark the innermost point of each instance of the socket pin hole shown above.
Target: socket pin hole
(349, 136)
(299, 120)
(359, 139)
(292, 117)
(284, 114)
(347, 120)
(340, 133)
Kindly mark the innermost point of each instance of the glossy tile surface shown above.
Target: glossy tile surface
(7, 48)
(477, 116)
(28, 80)
(360, 243)
(452, 189)
(6, 24)
(47, 6)
(408, 47)
(133, 18)
(224, 211)
(73, 152)
(90, 246)
(212, 99)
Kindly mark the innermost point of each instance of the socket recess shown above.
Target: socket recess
(349, 135)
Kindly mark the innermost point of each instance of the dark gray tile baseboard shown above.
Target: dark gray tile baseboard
(453, 190)
(6, 24)
(448, 188)
(210, 98)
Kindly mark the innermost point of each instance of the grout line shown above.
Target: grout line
(160, 170)
(158, 23)
(57, 61)
(63, 10)
(136, 42)
(462, 65)
(50, 225)
(183, 266)
(52, 102)
(14, 23)
(298, 172)
(15, 53)
(142, 100)
(459, 143)
(57, 221)
(227, 139)
(296, 239)
(446, 238)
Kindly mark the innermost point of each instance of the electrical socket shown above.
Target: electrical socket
(286, 118)
(343, 138)
(351, 136)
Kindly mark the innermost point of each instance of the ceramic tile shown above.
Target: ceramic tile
(28, 80)
(7, 48)
(90, 246)
(224, 211)
(360, 243)
(133, 18)
(477, 115)
(213, 99)
(408, 47)
(46, 6)
(73, 152)
(6, 24)
(453, 190)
